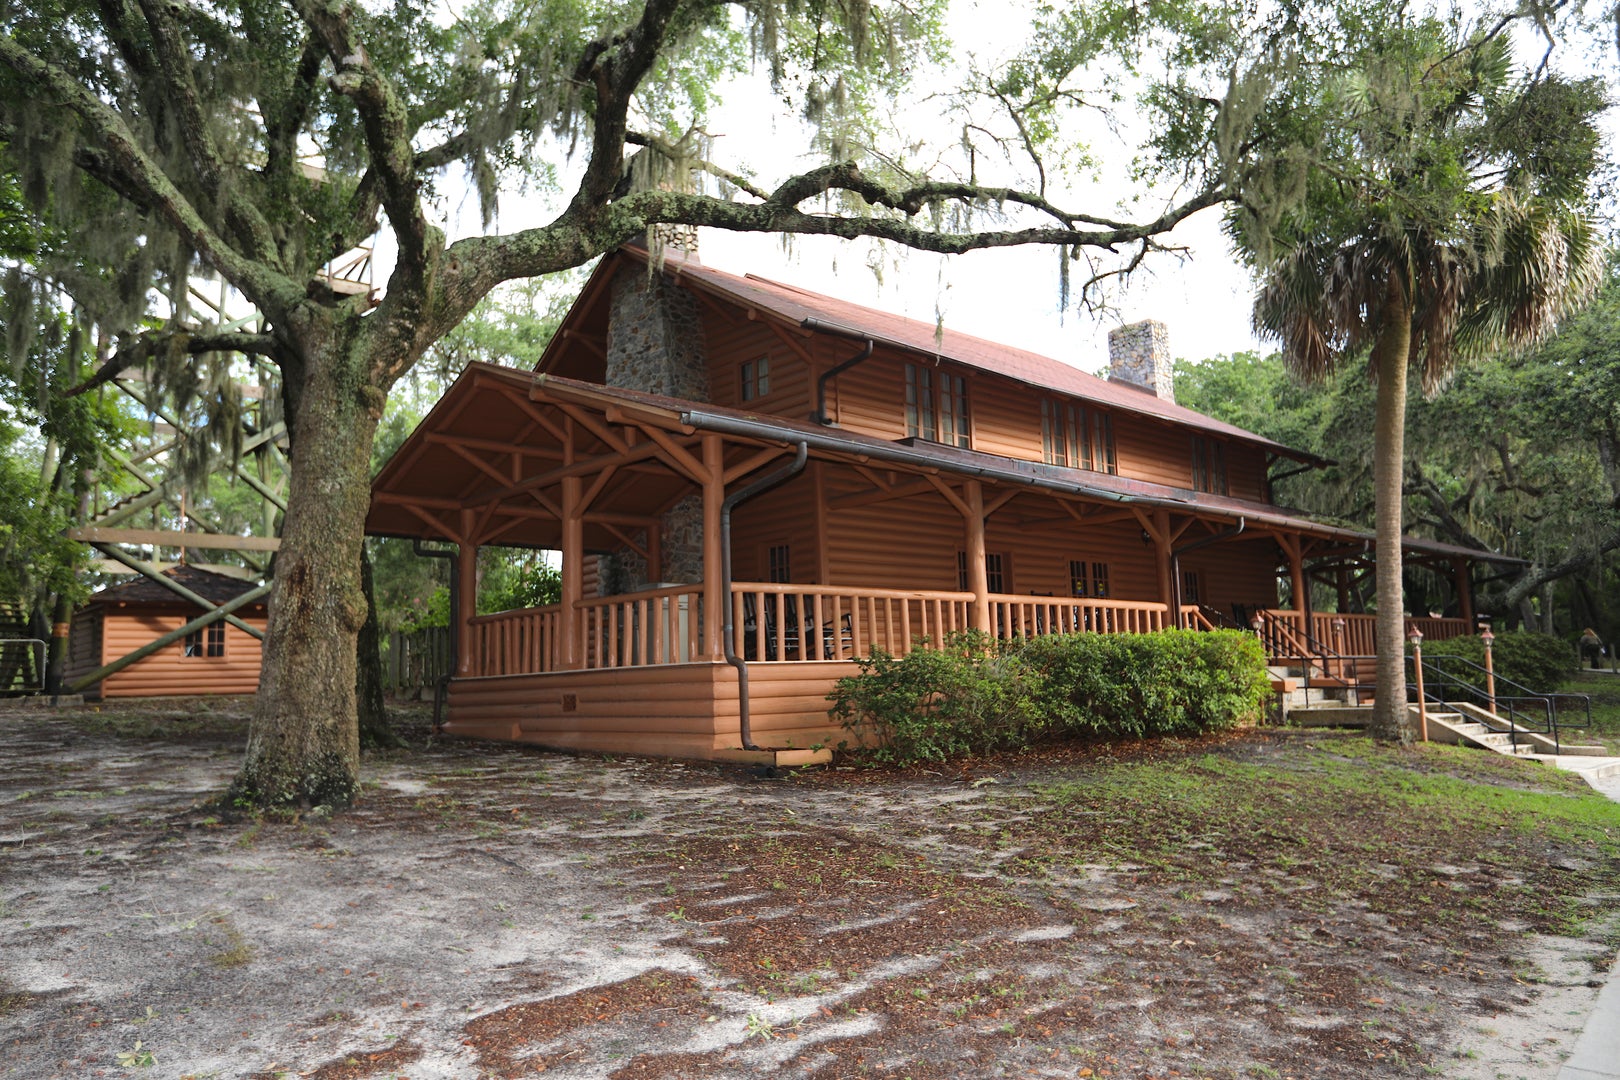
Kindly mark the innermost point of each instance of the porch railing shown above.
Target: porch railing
(657, 626)
(517, 642)
(774, 621)
(1357, 634)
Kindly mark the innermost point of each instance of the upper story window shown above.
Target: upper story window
(1077, 437)
(207, 642)
(936, 406)
(1208, 465)
(755, 377)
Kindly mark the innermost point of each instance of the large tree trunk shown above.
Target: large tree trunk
(303, 743)
(1390, 720)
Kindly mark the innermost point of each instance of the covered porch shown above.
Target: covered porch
(722, 570)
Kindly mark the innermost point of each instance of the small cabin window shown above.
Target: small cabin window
(755, 377)
(1189, 587)
(936, 406)
(1077, 437)
(1208, 465)
(779, 568)
(995, 572)
(1096, 584)
(207, 642)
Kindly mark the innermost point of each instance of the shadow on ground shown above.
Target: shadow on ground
(1271, 904)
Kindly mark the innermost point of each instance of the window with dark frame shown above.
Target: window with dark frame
(1095, 586)
(995, 572)
(1189, 587)
(1077, 437)
(755, 377)
(936, 406)
(1208, 465)
(207, 642)
(779, 568)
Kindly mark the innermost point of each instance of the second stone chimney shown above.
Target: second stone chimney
(1139, 355)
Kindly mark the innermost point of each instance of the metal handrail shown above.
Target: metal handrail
(1275, 630)
(39, 669)
(1514, 716)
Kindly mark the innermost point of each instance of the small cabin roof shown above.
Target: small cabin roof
(143, 591)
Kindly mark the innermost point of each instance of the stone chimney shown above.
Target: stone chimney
(655, 344)
(1139, 355)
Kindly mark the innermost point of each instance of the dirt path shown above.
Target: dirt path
(498, 911)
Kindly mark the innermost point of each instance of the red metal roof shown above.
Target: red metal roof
(792, 304)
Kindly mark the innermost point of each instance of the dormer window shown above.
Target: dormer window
(936, 406)
(1208, 465)
(1076, 437)
(755, 377)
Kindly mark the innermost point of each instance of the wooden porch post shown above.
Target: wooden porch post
(1166, 558)
(1342, 582)
(1296, 571)
(573, 572)
(714, 494)
(466, 594)
(978, 578)
(1465, 591)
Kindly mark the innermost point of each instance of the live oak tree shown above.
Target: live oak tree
(1442, 217)
(164, 131)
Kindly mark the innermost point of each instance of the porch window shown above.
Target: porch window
(207, 642)
(1095, 585)
(1077, 437)
(1209, 465)
(936, 406)
(755, 377)
(1189, 587)
(778, 565)
(995, 572)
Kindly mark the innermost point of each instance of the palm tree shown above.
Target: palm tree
(1440, 222)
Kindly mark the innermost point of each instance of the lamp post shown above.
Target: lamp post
(1486, 638)
(1416, 638)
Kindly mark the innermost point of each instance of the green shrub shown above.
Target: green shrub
(976, 695)
(1536, 661)
(968, 697)
(1174, 682)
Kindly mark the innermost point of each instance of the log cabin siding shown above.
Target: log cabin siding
(1235, 572)
(908, 543)
(168, 671)
(681, 710)
(783, 515)
(734, 342)
(1040, 555)
(84, 647)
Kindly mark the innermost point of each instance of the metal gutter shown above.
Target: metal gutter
(817, 326)
(728, 626)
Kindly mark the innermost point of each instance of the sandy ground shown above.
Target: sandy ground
(499, 911)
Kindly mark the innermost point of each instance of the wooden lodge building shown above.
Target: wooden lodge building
(216, 659)
(752, 484)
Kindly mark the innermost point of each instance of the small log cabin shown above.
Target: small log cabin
(218, 659)
(751, 485)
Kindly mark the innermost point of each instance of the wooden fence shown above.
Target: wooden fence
(413, 662)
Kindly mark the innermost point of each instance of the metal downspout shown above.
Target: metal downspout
(728, 626)
(1177, 553)
(820, 415)
(442, 683)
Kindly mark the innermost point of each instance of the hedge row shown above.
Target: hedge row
(976, 694)
(1538, 661)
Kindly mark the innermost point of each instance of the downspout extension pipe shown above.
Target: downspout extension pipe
(442, 683)
(817, 326)
(1177, 553)
(728, 625)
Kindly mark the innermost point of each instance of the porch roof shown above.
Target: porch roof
(480, 463)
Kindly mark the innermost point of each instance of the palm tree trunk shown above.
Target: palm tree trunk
(1390, 720)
